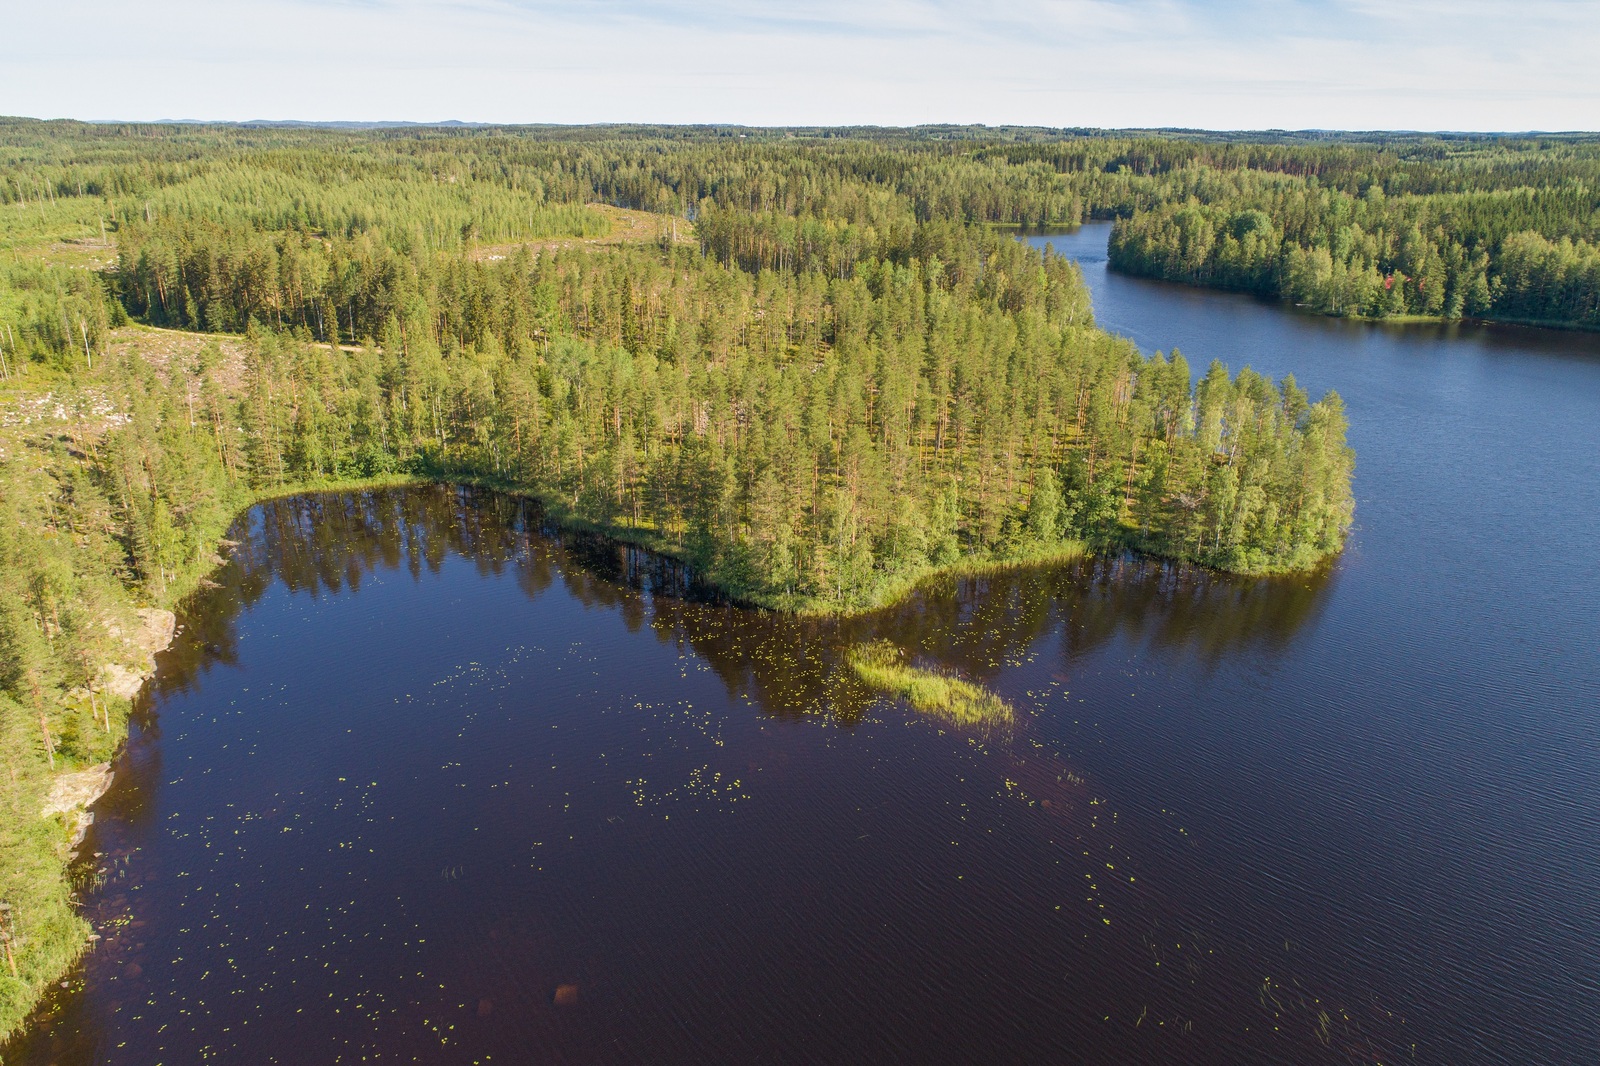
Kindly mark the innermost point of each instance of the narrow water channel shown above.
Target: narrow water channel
(421, 783)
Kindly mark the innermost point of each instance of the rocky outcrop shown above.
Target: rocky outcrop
(72, 795)
(156, 628)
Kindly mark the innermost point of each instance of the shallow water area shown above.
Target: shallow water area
(420, 782)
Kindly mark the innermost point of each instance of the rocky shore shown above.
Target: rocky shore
(72, 794)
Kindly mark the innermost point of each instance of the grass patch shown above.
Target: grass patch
(883, 666)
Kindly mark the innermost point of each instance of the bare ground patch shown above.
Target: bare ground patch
(161, 347)
(45, 407)
(627, 227)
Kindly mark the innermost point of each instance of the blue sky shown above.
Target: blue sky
(1226, 64)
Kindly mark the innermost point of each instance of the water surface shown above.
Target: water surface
(420, 783)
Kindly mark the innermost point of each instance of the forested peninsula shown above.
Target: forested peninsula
(1467, 228)
(805, 362)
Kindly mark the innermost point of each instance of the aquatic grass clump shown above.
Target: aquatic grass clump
(882, 666)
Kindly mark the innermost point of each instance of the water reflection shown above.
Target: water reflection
(324, 544)
(329, 543)
(786, 670)
(1352, 810)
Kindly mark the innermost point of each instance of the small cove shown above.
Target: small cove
(415, 766)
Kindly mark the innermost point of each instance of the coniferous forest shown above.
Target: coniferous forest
(813, 364)
(1487, 229)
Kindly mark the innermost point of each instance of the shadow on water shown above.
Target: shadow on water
(1353, 809)
(323, 544)
(785, 668)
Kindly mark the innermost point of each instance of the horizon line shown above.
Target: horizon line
(1080, 130)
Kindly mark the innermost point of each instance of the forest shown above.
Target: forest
(814, 365)
(1507, 231)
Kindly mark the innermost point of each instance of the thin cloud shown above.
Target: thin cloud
(1368, 64)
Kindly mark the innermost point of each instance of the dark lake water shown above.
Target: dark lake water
(419, 783)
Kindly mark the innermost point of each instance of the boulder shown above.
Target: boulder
(72, 795)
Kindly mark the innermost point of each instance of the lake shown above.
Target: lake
(422, 781)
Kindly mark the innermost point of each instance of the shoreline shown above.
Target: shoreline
(80, 790)
(1397, 320)
(894, 590)
(891, 593)
(72, 794)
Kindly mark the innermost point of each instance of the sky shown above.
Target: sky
(1212, 64)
